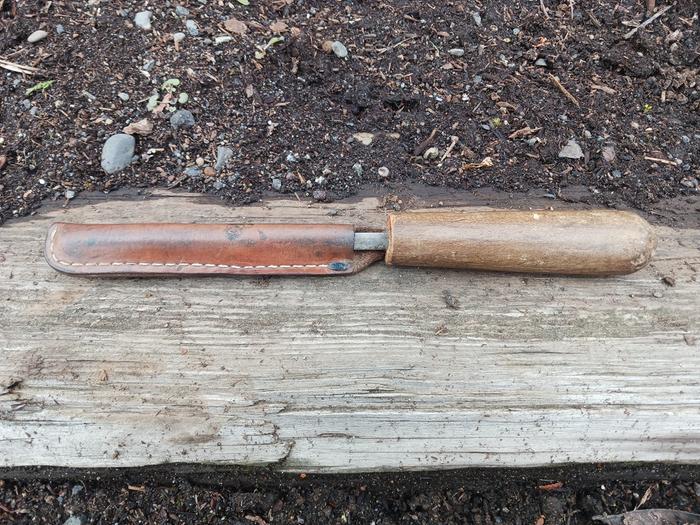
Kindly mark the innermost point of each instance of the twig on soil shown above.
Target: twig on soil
(648, 21)
(452, 145)
(420, 148)
(662, 161)
(18, 68)
(604, 89)
(544, 9)
(560, 87)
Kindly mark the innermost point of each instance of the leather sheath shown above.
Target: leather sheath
(205, 249)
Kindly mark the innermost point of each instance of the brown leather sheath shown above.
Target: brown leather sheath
(205, 249)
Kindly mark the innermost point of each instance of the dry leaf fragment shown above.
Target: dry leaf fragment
(3, 160)
(486, 163)
(236, 26)
(540, 521)
(142, 127)
(523, 132)
(278, 26)
(551, 486)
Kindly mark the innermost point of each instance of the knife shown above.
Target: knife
(592, 242)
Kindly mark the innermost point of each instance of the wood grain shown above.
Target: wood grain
(581, 242)
(366, 372)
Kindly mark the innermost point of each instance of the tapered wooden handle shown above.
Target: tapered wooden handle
(596, 242)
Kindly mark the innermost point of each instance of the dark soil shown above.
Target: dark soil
(482, 496)
(638, 98)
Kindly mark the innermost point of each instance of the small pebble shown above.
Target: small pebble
(571, 151)
(291, 157)
(222, 39)
(587, 134)
(339, 49)
(364, 138)
(456, 52)
(199, 161)
(75, 520)
(77, 489)
(142, 20)
(320, 195)
(148, 65)
(118, 152)
(383, 172)
(431, 153)
(123, 96)
(69, 194)
(193, 172)
(541, 62)
(223, 155)
(178, 37)
(276, 184)
(209, 171)
(37, 36)
(60, 29)
(357, 168)
(181, 10)
(685, 139)
(219, 184)
(182, 118)
(477, 18)
(192, 28)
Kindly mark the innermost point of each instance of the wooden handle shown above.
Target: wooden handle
(597, 242)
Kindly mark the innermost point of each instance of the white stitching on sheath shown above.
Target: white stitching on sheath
(207, 265)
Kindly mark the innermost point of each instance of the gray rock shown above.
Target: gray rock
(60, 29)
(123, 96)
(339, 49)
(571, 151)
(182, 118)
(181, 10)
(143, 20)
(456, 52)
(358, 169)
(685, 139)
(26, 103)
(276, 184)
(223, 155)
(77, 489)
(320, 195)
(219, 184)
(383, 172)
(477, 18)
(37, 36)
(291, 157)
(75, 520)
(148, 65)
(178, 37)
(193, 172)
(192, 28)
(69, 194)
(118, 152)
(541, 62)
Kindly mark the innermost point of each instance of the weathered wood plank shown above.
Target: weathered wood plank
(332, 374)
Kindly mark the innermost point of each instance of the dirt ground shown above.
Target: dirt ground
(505, 85)
(482, 497)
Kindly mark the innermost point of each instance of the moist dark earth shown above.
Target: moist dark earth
(504, 85)
(482, 497)
(457, 94)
